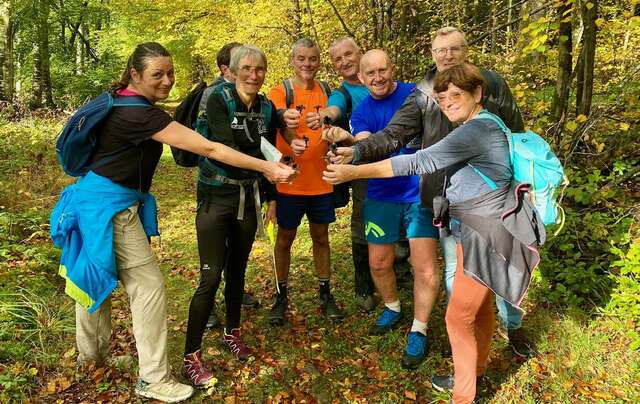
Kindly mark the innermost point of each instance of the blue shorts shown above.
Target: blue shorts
(386, 222)
(291, 208)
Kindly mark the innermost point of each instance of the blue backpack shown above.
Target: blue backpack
(77, 139)
(533, 162)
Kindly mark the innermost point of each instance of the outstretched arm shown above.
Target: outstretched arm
(180, 136)
(405, 125)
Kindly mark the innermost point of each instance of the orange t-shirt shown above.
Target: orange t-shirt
(311, 163)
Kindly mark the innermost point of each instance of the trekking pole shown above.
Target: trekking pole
(269, 231)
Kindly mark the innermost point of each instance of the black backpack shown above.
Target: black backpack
(343, 122)
(187, 114)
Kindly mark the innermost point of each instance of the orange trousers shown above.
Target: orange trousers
(470, 324)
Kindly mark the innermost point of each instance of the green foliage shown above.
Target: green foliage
(575, 266)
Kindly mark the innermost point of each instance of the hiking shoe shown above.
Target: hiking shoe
(249, 301)
(519, 342)
(233, 341)
(330, 309)
(169, 391)
(446, 383)
(416, 350)
(278, 310)
(442, 383)
(387, 321)
(213, 320)
(195, 371)
(366, 303)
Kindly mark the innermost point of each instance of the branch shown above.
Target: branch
(623, 178)
(90, 49)
(344, 25)
(271, 27)
(313, 25)
(504, 10)
(499, 27)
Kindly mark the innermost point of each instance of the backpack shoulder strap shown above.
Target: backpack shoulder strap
(131, 101)
(288, 92)
(484, 114)
(265, 110)
(225, 90)
(326, 89)
(347, 98)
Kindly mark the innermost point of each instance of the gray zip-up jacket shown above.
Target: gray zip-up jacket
(419, 119)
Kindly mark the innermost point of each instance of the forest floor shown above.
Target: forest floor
(579, 354)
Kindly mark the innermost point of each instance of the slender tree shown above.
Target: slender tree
(565, 60)
(41, 63)
(589, 16)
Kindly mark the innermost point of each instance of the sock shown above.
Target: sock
(323, 285)
(419, 326)
(395, 306)
(283, 288)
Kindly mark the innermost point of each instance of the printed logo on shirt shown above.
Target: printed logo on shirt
(235, 124)
(262, 128)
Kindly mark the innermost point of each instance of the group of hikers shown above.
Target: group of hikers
(439, 175)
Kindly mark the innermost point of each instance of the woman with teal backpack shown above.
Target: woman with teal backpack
(103, 220)
(491, 217)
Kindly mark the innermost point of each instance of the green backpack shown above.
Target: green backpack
(210, 173)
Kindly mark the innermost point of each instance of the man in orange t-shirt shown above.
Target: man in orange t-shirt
(308, 194)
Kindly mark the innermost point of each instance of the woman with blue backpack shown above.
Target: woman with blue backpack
(103, 221)
(489, 214)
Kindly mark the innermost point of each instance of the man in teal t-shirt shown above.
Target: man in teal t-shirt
(345, 55)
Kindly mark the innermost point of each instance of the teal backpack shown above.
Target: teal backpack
(533, 162)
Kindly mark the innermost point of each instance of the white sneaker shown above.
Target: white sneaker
(169, 391)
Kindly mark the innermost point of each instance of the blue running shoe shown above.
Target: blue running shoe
(416, 350)
(387, 321)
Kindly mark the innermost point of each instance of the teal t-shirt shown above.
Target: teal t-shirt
(358, 93)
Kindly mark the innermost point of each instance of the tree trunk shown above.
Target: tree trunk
(565, 62)
(590, 13)
(41, 65)
(297, 22)
(7, 81)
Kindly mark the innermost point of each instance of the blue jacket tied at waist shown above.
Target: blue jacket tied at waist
(81, 225)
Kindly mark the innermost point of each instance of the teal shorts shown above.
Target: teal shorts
(388, 222)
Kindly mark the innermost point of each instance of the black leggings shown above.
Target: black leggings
(215, 225)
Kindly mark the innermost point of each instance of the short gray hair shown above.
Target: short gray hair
(340, 40)
(444, 31)
(242, 51)
(305, 43)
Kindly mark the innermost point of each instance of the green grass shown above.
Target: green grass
(580, 356)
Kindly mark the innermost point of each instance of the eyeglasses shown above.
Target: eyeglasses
(453, 97)
(454, 50)
(258, 70)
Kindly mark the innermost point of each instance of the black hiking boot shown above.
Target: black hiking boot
(330, 309)
(519, 342)
(278, 310)
(249, 301)
(213, 320)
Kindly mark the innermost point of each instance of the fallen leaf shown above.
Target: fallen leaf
(410, 395)
(602, 395)
(70, 353)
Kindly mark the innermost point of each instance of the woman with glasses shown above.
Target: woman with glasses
(490, 254)
(229, 202)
